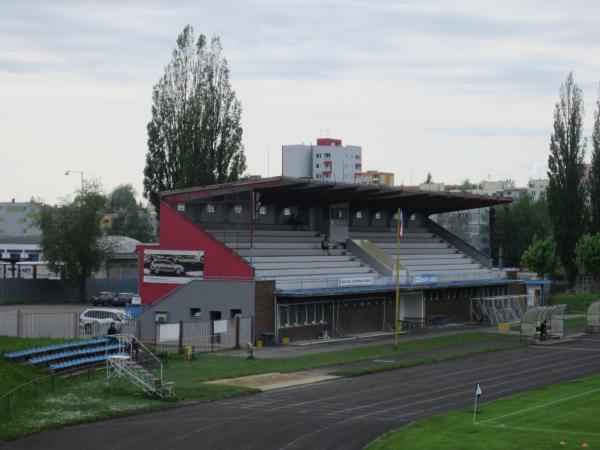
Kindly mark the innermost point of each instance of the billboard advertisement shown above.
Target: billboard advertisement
(173, 266)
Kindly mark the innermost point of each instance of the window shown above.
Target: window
(327, 155)
(196, 313)
(181, 207)
(235, 312)
(357, 156)
(287, 212)
(318, 175)
(262, 210)
(237, 209)
(378, 215)
(210, 208)
(318, 155)
(317, 165)
(359, 214)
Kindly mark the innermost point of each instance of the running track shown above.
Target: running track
(340, 414)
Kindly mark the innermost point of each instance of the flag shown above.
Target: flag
(478, 391)
(401, 226)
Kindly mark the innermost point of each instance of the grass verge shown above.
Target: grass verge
(359, 371)
(576, 303)
(561, 416)
(78, 400)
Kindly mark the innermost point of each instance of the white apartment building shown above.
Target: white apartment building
(328, 160)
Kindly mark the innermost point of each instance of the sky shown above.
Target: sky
(460, 89)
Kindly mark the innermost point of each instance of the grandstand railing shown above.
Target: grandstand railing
(423, 280)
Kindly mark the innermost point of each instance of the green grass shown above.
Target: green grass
(77, 400)
(359, 371)
(213, 367)
(538, 419)
(577, 303)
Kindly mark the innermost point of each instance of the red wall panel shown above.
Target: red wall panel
(177, 232)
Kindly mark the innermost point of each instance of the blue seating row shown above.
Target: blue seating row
(53, 348)
(73, 353)
(78, 362)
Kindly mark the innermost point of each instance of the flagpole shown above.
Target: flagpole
(475, 410)
(396, 335)
(477, 394)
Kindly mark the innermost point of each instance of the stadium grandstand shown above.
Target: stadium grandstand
(310, 259)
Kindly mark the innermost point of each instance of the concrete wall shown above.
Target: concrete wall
(208, 295)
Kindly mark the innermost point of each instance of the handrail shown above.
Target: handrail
(129, 339)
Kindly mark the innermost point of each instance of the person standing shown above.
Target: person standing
(543, 331)
(325, 245)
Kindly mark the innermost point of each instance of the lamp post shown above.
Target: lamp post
(80, 173)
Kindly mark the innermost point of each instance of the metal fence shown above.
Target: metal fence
(203, 336)
(38, 291)
(63, 325)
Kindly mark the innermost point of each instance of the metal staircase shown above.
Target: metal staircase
(139, 365)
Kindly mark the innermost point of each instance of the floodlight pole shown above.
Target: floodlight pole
(397, 315)
(80, 173)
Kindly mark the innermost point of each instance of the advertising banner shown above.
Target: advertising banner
(173, 266)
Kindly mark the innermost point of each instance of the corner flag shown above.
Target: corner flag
(478, 391)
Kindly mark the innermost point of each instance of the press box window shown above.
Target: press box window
(196, 313)
(359, 214)
(181, 207)
(287, 212)
(262, 210)
(237, 209)
(210, 208)
(378, 215)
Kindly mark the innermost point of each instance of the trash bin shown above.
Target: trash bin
(268, 338)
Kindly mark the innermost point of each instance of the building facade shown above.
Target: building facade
(328, 160)
(19, 219)
(376, 177)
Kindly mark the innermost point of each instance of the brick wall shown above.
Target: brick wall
(264, 314)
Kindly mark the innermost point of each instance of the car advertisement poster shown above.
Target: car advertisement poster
(173, 266)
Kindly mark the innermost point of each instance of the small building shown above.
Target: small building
(376, 177)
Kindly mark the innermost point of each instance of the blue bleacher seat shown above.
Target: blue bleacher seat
(53, 348)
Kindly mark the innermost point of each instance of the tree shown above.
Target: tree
(541, 257)
(566, 188)
(467, 186)
(121, 197)
(130, 219)
(594, 175)
(588, 254)
(71, 235)
(516, 225)
(195, 135)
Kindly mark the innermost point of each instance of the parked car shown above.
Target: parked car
(126, 298)
(103, 298)
(159, 266)
(97, 320)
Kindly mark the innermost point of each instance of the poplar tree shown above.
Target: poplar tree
(566, 190)
(595, 171)
(195, 135)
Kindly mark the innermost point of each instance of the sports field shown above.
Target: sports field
(565, 416)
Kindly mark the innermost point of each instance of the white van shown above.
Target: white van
(96, 321)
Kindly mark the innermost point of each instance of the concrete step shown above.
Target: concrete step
(246, 252)
(231, 239)
(279, 245)
(411, 245)
(421, 251)
(299, 259)
(441, 267)
(246, 232)
(334, 271)
(326, 265)
(439, 256)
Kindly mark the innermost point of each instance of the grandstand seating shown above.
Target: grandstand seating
(47, 349)
(68, 354)
(284, 254)
(422, 252)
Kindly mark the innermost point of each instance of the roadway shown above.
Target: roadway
(340, 414)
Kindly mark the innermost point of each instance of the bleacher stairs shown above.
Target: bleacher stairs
(422, 252)
(286, 255)
(121, 365)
